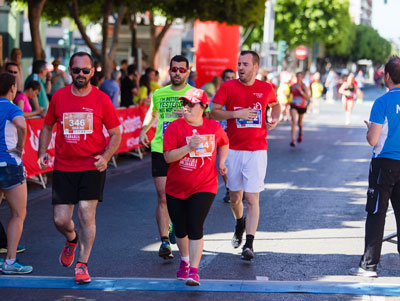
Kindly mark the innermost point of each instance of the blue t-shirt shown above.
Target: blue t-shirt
(111, 88)
(386, 111)
(8, 131)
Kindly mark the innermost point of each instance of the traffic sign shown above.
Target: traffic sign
(301, 52)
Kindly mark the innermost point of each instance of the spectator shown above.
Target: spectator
(111, 87)
(123, 67)
(22, 99)
(59, 78)
(152, 75)
(211, 87)
(98, 79)
(144, 97)
(41, 74)
(129, 87)
(192, 78)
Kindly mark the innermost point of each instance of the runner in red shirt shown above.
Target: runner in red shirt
(246, 100)
(190, 148)
(298, 106)
(349, 94)
(82, 153)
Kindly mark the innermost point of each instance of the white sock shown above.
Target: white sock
(185, 259)
(10, 261)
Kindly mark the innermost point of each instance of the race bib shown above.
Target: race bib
(297, 101)
(78, 123)
(165, 124)
(205, 148)
(255, 123)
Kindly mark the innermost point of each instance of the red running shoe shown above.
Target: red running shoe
(183, 271)
(68, 254)
(193, 278)
(300, 138)
(82, 274)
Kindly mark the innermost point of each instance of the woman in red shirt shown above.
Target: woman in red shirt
(298, 106)
(348, 90)
(190, 145)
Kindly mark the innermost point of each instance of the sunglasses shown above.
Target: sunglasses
(78, 70)
(176, 69)
(12, 72)
(187, 103)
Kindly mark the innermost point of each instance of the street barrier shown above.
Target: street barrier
(131, 123)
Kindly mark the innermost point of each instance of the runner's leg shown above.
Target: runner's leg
(62, 217)
(87, 228)
(162, 215)
(236, 203)
(294, 115)
(252, 212)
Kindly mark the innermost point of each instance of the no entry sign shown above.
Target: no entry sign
(301, 52)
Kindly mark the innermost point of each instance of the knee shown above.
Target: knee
(86, 218)
(60, 221)
(19, 214)
(195, 232)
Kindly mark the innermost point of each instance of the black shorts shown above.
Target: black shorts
(70, 187)
(159, 167)
(299, 110)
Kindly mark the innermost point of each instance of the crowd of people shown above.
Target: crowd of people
(229, 117)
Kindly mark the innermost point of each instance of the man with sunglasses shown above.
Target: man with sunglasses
(43, 76)
(165, 107)
(82, 153)
(246, 100)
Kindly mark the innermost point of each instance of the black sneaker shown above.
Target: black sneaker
(247, 254)
(227, 198)
(165, 250)
(238, 235)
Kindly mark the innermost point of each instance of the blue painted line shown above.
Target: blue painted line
(208, 285)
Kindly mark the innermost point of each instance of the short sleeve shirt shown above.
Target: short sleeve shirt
(246, 135)
(195, 172)
(42, 96)
(165, 100)
(8, 131)
(386, 111)
(80, 135)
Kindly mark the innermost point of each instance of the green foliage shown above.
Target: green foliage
(256, 36)
(370, 45)
(307, 21)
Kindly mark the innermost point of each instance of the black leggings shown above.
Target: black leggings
(188, 215)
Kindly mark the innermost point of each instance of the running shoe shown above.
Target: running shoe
(82, 274)
(293, 143)
(171, 233)
(193, 279)
(68, 254)
(1, 263)
(183, 271)
(238, 235)
(359, 271)
(16, 268)
(300, 138)
(20, 249)
(247, 254)
(227, 198)
(165, 250)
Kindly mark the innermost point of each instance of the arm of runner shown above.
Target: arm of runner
(20, 124)
(44, 141)
(374, 132)
(178, 153)
(218, 113)
(151, 117)
(275, 114)
(222, 154)
(112, 147)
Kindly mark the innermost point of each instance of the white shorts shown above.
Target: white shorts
(246, 170)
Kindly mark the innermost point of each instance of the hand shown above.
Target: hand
(101, 163)
(178, 112)
(43, 161)
(48, 76)
(246, 114)
(223, 170)
(17, 150)
(143, 139)
(194, 141)
(271, 125)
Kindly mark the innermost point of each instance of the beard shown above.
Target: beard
(177, 81)
(80, 84)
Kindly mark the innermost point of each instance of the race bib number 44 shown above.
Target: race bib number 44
(206, 147)
(78, 123)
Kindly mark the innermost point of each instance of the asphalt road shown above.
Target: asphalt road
(311, 225)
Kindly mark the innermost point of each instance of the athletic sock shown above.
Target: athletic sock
(185, 259)
(164, 238)
(10, 261)
(249, 241)
(240, 222)
(85, 263)
(75, 240)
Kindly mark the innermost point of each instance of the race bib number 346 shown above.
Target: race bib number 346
(78, 123)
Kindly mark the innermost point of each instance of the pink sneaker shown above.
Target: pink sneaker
(183, 271)
(193, 279)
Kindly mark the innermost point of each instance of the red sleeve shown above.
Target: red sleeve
(221, 136)
(110, 117)
(221, 95)
(51, 117)
(170, 140)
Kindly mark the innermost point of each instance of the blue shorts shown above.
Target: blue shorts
(11, 176)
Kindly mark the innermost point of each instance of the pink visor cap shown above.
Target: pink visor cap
(195, 96)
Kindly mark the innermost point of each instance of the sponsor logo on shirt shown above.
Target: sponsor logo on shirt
(258, 95)
(188, 164)
(87, 109)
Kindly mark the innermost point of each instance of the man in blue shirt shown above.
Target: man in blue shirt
(111, 87)
(384, 173)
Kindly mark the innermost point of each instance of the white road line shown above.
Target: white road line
(337, 142)
(317, 159)
(282, 191)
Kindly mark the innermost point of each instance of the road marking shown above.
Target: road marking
(282, 191)
(337, 142)
(208, 285)
(317, 159)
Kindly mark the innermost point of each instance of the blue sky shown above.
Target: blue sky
(386, 19)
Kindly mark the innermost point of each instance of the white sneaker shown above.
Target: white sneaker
(359, 271)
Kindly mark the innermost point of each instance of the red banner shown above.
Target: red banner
(131, 124)
(216, 48)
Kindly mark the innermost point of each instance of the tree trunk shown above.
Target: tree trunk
(134, 43)
(156, 40)
(35, 8)
(106, 63)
